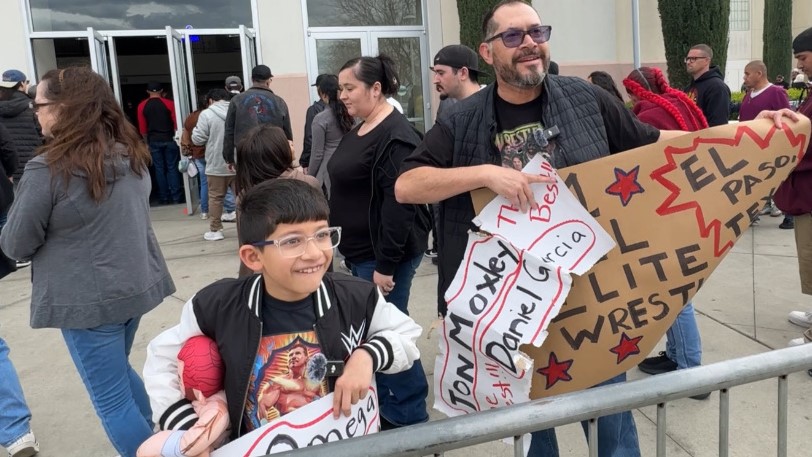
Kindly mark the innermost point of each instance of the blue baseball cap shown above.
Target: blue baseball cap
(12, 77)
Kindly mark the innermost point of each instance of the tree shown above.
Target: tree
(777, 37)
(471, 13)
(686, 23)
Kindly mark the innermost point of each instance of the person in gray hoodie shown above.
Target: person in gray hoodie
(81, 215)
(209, 131)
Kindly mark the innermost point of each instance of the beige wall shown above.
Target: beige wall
(283, 49)
(801, 16)
(15, 51)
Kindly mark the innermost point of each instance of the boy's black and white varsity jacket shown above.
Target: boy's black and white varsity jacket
(350, 314)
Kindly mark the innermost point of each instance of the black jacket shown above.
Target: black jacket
(570, 104)
(312, 110)
(350, 315)
(8, 159)
(16, 115)
(253, 107)
(712, 95)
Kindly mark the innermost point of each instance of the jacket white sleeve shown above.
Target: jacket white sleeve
(200, 134)
(391, 339)
(170, 408)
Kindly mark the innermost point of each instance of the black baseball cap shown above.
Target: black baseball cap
(154, 86)
(458, 56)
(261, 73)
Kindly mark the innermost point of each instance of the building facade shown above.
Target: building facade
(193, 46)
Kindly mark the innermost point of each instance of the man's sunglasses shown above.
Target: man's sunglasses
(513, 38)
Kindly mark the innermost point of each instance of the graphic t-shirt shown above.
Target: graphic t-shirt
(289, 368)
(520, 134)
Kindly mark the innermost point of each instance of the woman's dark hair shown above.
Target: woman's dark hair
(217, 94)
(329, 87)
(371, 70)
(648, 83)
(88, 122)
(603, 80)
(278, 201)
(264, 153)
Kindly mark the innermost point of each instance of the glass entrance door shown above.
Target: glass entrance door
(98, 53)
(330, 50)
(179, 77)
(248, 48)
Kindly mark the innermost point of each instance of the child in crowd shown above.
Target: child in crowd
(280, 331)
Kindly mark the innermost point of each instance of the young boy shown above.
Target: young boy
(280, 334)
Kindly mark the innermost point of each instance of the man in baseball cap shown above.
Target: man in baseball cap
(312, 110)
(456, 72)
(14, 79)
(234, 84)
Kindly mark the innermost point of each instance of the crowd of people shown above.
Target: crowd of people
(367, 183)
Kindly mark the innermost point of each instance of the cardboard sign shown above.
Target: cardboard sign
(674, 208)
(309, 426)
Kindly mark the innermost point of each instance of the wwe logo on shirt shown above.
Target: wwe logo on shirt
(354, 339)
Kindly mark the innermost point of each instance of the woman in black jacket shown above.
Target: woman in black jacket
(382, 239)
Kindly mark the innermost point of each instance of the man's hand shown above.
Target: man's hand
(777, 116)
(384, 282)
(353, 385)
(515, 185)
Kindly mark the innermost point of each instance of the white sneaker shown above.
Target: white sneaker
(229, 217)
(26, 446)
(775, 212)
(802, 318)
(766, 210)
(213, 236)
(796, 342)
(23, 264)
(204, 216)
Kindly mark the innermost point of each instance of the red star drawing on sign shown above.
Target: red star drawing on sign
(625, 185)
(556, 371)
(628, 346)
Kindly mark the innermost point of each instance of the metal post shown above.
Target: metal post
(518, 446)
(724, 422)
(782, 416)
(593, 437)
(661, 436)
(636, 33)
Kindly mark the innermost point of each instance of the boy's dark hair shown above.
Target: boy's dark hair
(217, 94)
(278, 201)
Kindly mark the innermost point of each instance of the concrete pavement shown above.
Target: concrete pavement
(741, 310)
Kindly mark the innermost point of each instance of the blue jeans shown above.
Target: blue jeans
(118, 395)
(401, 396)
(14, 413)
(165, 158)
(682, 342)
(230, 204)
(617, 434)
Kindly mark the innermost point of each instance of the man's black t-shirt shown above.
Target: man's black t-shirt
(159, 120)
(519, 137)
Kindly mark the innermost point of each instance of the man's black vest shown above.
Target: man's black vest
(570, 104)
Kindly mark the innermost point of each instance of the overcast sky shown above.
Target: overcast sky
(63, 15)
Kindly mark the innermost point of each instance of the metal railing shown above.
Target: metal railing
(458, 432)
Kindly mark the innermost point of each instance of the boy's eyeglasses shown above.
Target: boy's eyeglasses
(296, 245)
(512, 38)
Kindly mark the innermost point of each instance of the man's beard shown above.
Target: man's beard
(443, 96)
(510, 74)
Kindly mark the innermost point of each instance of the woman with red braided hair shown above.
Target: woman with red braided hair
(657, 104)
